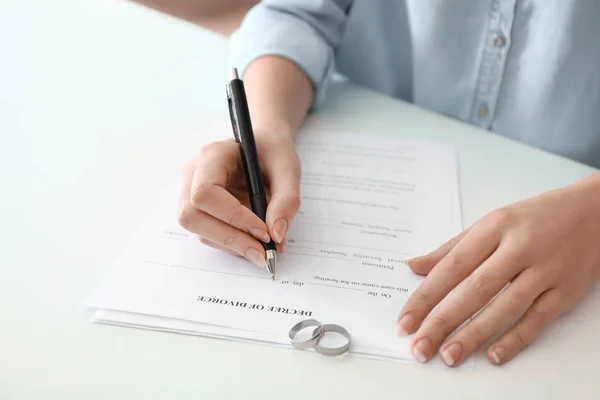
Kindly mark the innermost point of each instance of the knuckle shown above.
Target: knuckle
(442, 325)
(519, 339)
(236, 216)
(455, 267)
(423, 298)
(186, 217)
(500, 218)
(476, 335)
(452, 242)
(230, 241)
(200, 194)
(482, 287)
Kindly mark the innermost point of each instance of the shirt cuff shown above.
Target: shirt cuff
(266, 32)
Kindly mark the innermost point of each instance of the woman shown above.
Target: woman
(528, 70)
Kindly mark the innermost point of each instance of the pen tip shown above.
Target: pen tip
(234, 74)
(273, 277)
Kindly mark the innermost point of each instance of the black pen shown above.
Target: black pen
(242, 131)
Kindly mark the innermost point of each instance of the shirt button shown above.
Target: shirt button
(483, 111)
(499, 40)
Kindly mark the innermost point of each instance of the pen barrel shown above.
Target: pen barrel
(245, 136)
(258, 202)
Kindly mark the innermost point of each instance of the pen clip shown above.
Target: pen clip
(232, 115)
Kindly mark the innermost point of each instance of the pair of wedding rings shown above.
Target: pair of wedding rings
(317, 334)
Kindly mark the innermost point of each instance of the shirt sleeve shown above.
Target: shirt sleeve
(306, 32)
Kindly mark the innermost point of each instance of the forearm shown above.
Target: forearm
(279, 95)
(285, 50)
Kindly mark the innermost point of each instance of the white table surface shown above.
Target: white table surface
(101, 102)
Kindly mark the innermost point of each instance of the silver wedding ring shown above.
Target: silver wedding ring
(316, 336)
(316, 333)
(333, 351)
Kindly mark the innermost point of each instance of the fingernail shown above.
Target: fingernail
(452, 353)
(260, 234)
(498, 354)
(255, 256)
(422, 349)
(279, 228)
(405, 325)
(407, 262)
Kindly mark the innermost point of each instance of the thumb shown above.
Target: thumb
(283, 176)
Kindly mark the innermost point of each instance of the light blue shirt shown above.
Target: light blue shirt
(525, 69)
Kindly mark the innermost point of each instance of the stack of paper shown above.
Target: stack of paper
(367, 204)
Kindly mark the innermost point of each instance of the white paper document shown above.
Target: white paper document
(367, 204)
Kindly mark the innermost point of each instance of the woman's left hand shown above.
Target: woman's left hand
(546, 247)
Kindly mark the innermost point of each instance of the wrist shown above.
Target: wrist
(279, 96)
(586, 193)
(589, 184)
(273, 130)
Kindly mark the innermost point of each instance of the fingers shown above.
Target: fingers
(469, 297)
(282, 170)
(213, 230)
(281, 248)
(223, 235)
(424, 264)
(500, 313)
(208, 243)
(186, 210)
(541, 313)
(218, 202)
(212, 206)
(208, 194)
(476, 246)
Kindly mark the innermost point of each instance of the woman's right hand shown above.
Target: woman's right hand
(214, 201)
